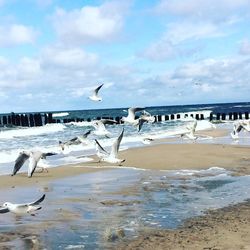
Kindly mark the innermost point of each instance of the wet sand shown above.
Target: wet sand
(227, 228)
(221, 229)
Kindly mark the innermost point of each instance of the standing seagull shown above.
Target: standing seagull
(112, 156)
(33, 156)
(21, 209)
(94, 96)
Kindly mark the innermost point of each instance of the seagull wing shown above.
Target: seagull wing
(85, 135)
(132, 111)
(108, 121)
(116, 145)
(194, 126)
(37, 201)
(44, 155)
(34, 158)
(98, 125)
(20, 161)
(97, 89)
(141, 121)
(100, 149)
(4, 210)
(75, 139)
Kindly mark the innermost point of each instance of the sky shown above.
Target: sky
(53, 53)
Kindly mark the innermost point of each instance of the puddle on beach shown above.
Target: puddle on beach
(97, 210)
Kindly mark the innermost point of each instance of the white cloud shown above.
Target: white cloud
(70, 58)
(213, 10)
(16, 34)
(90, 24)
(245, 47)
(183, 31)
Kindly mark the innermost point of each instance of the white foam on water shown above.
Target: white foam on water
(61, 114)
(23, 132)
(81, 124)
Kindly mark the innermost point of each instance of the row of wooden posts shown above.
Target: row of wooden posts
(40, 119)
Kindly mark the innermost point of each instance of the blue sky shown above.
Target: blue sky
(147, 53)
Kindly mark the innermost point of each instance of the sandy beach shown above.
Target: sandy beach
(227, 228)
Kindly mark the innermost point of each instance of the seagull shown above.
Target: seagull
(112, 156)
(144, 117)
(33, 156)
(147, 116)
(76, 140)
(21, 209)
(131, 116)
(191, 131)
(100, 151)
(238, 126)
(100, 129)
(94, 96)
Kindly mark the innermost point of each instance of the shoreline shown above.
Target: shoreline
(168, 154)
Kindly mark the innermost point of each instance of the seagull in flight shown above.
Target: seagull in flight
(191, 131)
(100, 129)
(130, 118)
(112, 156)
(81, 139)
(144, 117)
(21, 209)
(239, 126)
(33, 156)
(94, 97)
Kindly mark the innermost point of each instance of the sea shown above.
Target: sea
(100, 210)
(46, 138)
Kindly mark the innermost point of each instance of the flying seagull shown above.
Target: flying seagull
(238, 126)
(112, 156)
(21, 209)
(94, 96)
(130, 118)
(33, 156)
(100, 129)
(144, 117)
(191, 131)
(76, 140)
(100, 151)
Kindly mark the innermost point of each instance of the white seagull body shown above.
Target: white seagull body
(112, 156)
(100, 129)
(81, 139)
(191, 131)
(21, 209)
(238, 126)
(94, 97)
(130, 118)
(33, 156)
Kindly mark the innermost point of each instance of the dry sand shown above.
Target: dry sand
(227, 228)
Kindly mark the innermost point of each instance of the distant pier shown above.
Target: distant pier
(40, 119)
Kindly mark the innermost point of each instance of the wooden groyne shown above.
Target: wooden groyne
(40, 119)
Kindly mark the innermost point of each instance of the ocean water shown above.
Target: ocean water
(46, 138)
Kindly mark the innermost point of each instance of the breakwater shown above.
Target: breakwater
(40, 119)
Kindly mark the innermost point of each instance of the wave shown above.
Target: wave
(60, 114)
(22, 132)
